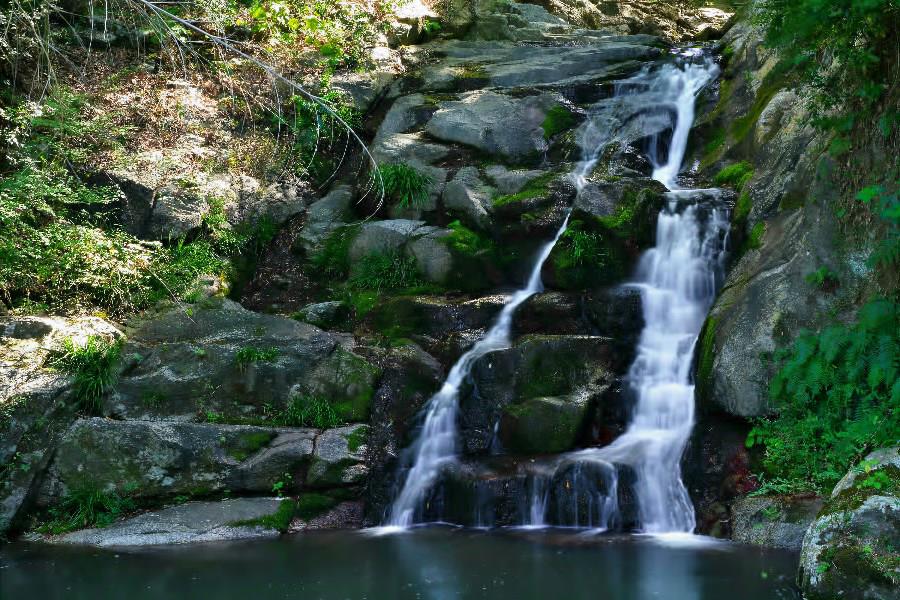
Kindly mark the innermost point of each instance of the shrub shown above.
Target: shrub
(91, 366)
(837, 394)
(405, 184)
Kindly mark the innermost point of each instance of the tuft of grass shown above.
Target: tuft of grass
(90, 363)
(405, 184)
(280, 520)
(385, 271)
(308, 411)
(86, 506)
(536, 188)
(313, 505)
(251, 354)
(332, 261)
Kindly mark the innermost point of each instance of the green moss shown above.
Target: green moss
(742, 207)
(358, 438)
(716, 141)
(280, 520)
(355, 376)
(882, 481)
(859, 565)
(535, 188)
(754, 240)
(706, 353)
(249, 443)
(472, 71)
(312, 505)
(735, 175)
(541, 426)
(558, 119)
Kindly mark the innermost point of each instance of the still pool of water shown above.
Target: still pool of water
(424, 564)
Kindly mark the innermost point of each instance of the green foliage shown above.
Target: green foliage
(358, 438)
(742, 206)
(340, 31)
(735, 175)
(822, 278)
(90, 363)
(858, 37)
(754, 240)
(308, 411)
(251, 354)
(837, 394)
(332, 261)
(385, 271)
(86, 506)
(312, 505)
(280, 520)
(886, 205)
(557, 120)
(405, 184)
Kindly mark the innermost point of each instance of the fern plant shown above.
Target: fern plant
(837, 394)
(405, 184)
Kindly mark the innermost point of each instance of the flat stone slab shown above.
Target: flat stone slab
(188, 523)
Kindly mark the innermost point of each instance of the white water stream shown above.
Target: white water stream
(678, 282)
(436, 444)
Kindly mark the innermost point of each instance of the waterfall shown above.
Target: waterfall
(435, 446)
(678, 281)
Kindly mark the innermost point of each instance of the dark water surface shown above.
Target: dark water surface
(428, 564)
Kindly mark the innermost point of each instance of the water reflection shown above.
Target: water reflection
(429, 564)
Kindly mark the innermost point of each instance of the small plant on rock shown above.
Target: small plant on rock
(308, 411)
(86, 506)
(90, 363)
(405, 184)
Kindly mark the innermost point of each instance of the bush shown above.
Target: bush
(91, 366)
(837, 394)
(405, 184)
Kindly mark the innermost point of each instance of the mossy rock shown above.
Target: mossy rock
(347, 381)
(544, 425)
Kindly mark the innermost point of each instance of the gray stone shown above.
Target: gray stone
(192, 522)
(468, 195)
(494, 123)
(339, 457)
(324, 314)
(149, 459)
(779, 522)
(383, 237)
(176, 214)
(510, 181)
(433, 257)
(850, 551)
(232, 363)
(323, 217)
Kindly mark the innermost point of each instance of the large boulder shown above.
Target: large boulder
(218, 361)
(541, 392)
(851, 549)
(192, 522)
(495, 123)
(777, 522)
(36, 403)
(152, 460)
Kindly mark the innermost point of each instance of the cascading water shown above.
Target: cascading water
(678, 281)
(436, 445)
